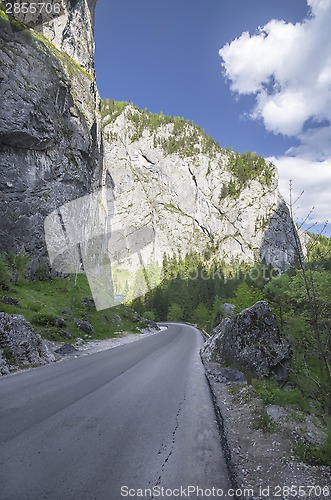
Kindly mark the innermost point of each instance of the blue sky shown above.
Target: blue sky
(163, 55)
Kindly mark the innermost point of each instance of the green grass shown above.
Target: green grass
(272, 394)
(42, 302)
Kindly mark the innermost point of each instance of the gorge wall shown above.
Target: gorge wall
(192, 194)
(50, 134)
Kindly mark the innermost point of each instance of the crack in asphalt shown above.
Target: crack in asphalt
(164, 447)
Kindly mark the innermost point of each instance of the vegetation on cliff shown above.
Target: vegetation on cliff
(175, 135)
(8, 22)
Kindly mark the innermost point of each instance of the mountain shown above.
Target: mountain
(96, 187)
(188, 194)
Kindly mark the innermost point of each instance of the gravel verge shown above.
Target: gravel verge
(84, 348)
(262, 464)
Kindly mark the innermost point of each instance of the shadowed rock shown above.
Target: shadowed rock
(20, 345)
(251, 341)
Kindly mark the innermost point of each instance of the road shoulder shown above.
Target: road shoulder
(261, 461)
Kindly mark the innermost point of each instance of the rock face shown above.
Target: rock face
(251, 341)
(72, 32)
(69, 26)
(50, 134)
(172, 178)
(20, 344)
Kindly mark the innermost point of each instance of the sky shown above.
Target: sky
(254, 74)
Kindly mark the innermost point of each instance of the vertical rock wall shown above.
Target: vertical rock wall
(50, 134)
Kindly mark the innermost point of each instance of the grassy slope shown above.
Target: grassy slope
(42, 302)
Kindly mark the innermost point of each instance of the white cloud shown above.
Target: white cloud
(312, 177)
(288, 67)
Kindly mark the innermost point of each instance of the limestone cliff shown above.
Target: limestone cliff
(192, 194)
(50, 134)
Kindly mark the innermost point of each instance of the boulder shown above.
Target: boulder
(151, 325)
(65, 334)
(9, 300)
(85, 327)
(67, 350)
(60, 323)
(4, 370)
(251, 342)
(20, 345)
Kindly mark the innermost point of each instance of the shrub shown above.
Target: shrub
(18, 264)
(45, 319)
(175, 313)
(263, 422)
(150, 315)
(9, 356)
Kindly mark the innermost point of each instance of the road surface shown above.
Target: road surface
(112, 424)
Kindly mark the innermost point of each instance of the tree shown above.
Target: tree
(175, 313)
(217, 311)
(150, 315)
(202, 315)
(246, 296)
(321, 335)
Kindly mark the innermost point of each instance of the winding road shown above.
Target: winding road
(113, 424)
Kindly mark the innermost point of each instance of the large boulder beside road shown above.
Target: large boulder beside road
(20, 345)
(251, 342)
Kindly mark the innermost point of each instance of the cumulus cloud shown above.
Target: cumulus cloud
(288, 67)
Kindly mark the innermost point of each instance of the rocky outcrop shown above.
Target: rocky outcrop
(20, 345)
(251, 341)
(192, 194)
(68, 25)
(228, 310)
(85, 327)
(50, 135)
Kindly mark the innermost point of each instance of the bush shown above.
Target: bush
(201, 315)
(18, 264)
(150, 315)
(9, 356)
(248, 166)
(175, 313)
(264, 422)
(246, 296)
(45, 319)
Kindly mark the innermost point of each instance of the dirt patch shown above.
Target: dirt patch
(262, 462)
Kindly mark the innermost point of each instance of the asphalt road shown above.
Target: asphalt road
(134, 417)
